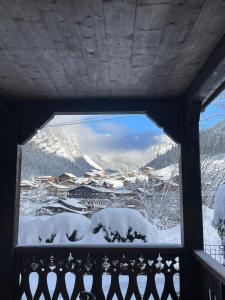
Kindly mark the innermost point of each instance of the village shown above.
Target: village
(141, 190)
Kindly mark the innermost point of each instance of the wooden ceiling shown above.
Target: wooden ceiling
(76, 48)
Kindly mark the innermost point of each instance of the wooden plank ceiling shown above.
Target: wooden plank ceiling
(105, 48)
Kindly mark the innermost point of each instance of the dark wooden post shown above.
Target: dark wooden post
(8, 195)
(191, 201)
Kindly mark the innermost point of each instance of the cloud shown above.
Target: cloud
(114, 140)
(108, 138)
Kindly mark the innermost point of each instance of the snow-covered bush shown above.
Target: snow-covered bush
(219, 212)
(123, 225)
(58, 229)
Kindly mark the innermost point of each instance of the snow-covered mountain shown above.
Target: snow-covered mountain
(53, 151)
(212, 143)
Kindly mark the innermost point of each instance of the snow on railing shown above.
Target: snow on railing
(212, 282)
(217, 252)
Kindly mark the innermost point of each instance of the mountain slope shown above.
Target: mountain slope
(53, 151)
(212, 142)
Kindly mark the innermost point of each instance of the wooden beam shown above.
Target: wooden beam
(166, 113)
(9, 181)
(169, 117)
(191, 201)
(210, 78)
(29, 123)
(94, 105)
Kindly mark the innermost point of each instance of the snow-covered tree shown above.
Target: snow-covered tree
(160, 203)
(122, 225)
(34, 201)
(219, 212)
(63, 228)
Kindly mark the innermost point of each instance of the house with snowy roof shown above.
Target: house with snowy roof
(89, 192)
(68, 205)
(56, 208)
(69, 183)
(66, 176)
(26, 187)
(57, 190)
(46, 179)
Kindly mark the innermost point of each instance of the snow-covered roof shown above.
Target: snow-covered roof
(99, 189)
(26, 182)
(58, 205)
(58, 186)
(68, 181)
(147, 168)
(114, 182)
(124, 191)
(73, 202)
(68, 174)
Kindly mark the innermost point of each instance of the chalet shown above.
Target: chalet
(57, 190)
(69, 205)
(65, 177)
(89, 192)
(69, 183)
(26, 187)
(94, 205)
(57, 208)
(46, 179)
(74, 204)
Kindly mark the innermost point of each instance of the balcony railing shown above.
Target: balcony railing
(217, 252)
(212, 277)
(126, 273)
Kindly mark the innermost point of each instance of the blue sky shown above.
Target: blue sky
(138, 124)
(126, 133)
(133, 123)
(214, 113)
(111, 133)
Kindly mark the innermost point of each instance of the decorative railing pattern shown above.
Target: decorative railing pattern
(213, 277)
(131, 262)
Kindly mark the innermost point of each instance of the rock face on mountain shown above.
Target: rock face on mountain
(53, 151)
(56, 150)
